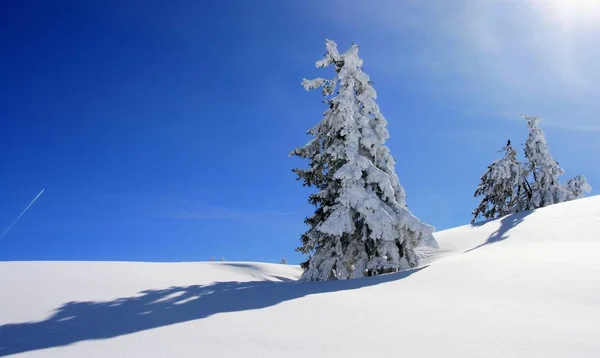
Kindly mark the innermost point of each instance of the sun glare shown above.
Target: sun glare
(572, 15)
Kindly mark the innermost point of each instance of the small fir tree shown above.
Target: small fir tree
(508, 187)
(503, 187)
(577, 187)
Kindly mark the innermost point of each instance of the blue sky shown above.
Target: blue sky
(161, 130)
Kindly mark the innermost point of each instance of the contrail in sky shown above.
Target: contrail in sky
(18, 217)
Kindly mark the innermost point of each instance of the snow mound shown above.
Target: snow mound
(525, 285)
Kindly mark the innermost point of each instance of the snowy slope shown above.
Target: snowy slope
(527, 285)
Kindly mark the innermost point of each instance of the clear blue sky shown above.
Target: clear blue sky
(161, 129)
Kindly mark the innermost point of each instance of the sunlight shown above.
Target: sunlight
(573, 16)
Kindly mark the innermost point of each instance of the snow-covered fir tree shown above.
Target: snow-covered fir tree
(539, 185)
(546, 188)
(503, 186)
(361, 225)
(577, 188)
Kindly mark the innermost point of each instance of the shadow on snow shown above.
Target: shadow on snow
(79, 321)
(506, 224)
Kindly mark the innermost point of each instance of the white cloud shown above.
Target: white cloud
(529, 44)
(539, 56)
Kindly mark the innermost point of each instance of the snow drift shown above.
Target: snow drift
(524, 285)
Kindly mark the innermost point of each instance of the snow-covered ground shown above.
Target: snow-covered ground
(527, 285)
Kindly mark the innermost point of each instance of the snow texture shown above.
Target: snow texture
(465, 302)
(362, 225)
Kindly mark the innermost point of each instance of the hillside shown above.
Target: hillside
(523, 286)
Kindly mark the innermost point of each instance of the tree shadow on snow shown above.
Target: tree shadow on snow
(506, 224)
(242, 265)
(79, 321)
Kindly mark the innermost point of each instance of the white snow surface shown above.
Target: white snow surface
(526, 285)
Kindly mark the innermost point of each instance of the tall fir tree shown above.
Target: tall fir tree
(361, 225)
(546, 188)
(503, 186)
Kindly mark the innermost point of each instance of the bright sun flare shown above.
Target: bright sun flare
(571, 15)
